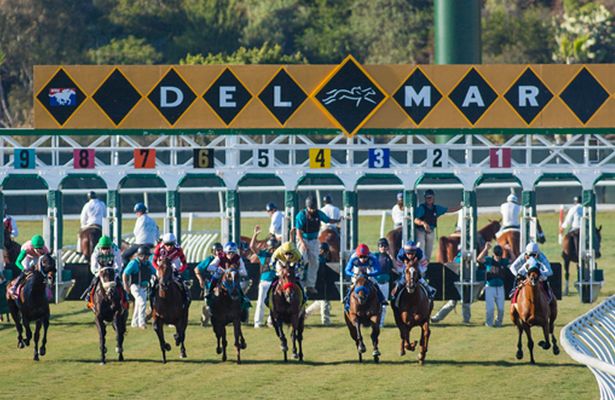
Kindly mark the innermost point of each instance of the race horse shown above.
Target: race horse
(412, 307)
(570, 251)
(332, 238)
(226, 308)
(11, 247)
(32, 304)
(88, 238)
(448, 245)
(394, 239)
(509, 241)
(530, 307)
(169, 308)
(364, 310)
(287, 307)
(109, 304)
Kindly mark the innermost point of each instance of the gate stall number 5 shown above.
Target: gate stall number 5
(263, 158)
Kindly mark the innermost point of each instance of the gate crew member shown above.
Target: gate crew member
(93, 212)
(397, 212)
(426, 221)
(332, 212)
(146, 232)
(136, 278)
(277, 220)
(510, 213)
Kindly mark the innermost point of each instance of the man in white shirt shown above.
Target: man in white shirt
(332, 212)
(146, 232)
(572, 222)
(93, 212)
(397, 212)
(510, 213)
(277, 220)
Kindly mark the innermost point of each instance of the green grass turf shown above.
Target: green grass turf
(463, 362)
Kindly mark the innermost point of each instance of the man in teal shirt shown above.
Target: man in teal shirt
(267, 273)
(200, 271)
(307, 224)
(426, 221)
(495, 268)
(136, 277)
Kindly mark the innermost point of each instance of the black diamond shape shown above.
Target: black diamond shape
(584, 95)
(528, 95)
(282, 96)
(417, 96)
(172, 96)
(116, 96)
(61, 97)
(227, 96)
(473, 96)
(350, 96)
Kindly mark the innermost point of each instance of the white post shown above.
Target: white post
(383, 223)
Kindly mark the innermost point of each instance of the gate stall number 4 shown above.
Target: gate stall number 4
(320, 158)
(437, 158)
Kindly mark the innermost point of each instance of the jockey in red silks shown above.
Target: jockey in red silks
(170, 250)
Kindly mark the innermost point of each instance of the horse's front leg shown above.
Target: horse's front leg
(181, 333)
(425, 333)
(360, 344)
(237, 332)
(15, 314)
(545, 344)
(43, 349)
(119, 323)
(530, 342)
(519, 354)
(26, 324)
(375, 334)
(102, 331)
(164, 346)
(37, 335)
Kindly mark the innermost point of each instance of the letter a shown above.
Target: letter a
(473, 96)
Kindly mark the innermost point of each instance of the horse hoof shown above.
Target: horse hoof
(27, 342)
(102, 362)
(218, 350)
(182, 355)
(36, 357)
(544, 345)
(167, 347)
(243, 345)
(402, 353)
(42, 351)
(224, 357)
(21, 345)
(532, 362)
(376, 359)
(519, 355)
(376, 353)
(120, 357)
(295, 356)
(362, 348)
(555, 350)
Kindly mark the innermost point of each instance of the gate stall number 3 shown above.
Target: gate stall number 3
(24, 159)
(379, 158)
(437, 158)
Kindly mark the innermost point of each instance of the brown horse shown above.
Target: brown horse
(11, 247)
(169, 308)
(332, 238)
(570, 251)
(366, 310)
(226, 309)
(394, 239)
(411, 308)
(509, 241)
(288, 308)
(88, 238)
(32, 304)
(533, 309)
(109, 305)
(448, 245)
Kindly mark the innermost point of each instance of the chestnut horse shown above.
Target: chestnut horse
(32, 304)
(169, 308)
(332, 238)
(570, 251)
(365, 309)
(533, 309)
(226, 309)
(110, 305)
(411, 308)
(88, 238)
(448, 245)
(509, 241)
(288, 308)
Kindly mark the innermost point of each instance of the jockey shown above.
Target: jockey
(31, 251)
(106, 253)
(146, 232)
(170, 250)
(93, 212)
(332, 212)
(532, 257)
(229, 257)
(201, 269)
(410, 252)
(363, 263)
(573, 217)
(9, 224)
(287, 253)
(510, 213)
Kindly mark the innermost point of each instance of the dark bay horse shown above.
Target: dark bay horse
(532, 309)
(510, 239)
(109, 304)
(88, 238)
(226, 309)
(570, 251)
(365, 310)
(169, 308)
(287, 307)
(11, 247)
(411, 308)
(32, 304)
(447, 248)
(394, 239)
(332, 238)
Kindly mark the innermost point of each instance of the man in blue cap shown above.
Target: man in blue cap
(426, 221)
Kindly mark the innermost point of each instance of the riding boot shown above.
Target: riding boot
(87, 293)
(347, 298)
(20, 279)
(431, 291)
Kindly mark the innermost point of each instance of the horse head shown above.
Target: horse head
(488, 231)
(361, 290)
(230, 282)
(533, 276)
(412, 276)
(107, 278)
(165, 273)
(47, 265)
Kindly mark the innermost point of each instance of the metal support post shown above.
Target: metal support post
(54, 214)
(114, 216)
(351, 219)
(174, 214)
(588, 288)
(3, 214)
(528, 219)
(407, 230)
(232, 213)
(291, 208)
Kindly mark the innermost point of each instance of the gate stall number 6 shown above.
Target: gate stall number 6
(263, 158)
(437, 158)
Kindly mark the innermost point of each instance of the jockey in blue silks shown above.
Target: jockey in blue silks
(363, 263)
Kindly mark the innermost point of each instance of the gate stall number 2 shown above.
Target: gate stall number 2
(437, 158)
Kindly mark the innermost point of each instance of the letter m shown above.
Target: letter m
(423, 96)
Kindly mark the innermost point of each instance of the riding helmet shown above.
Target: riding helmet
(310, 203)
(327, 199)
(362, 250)
(230, 247)
(143, 251)
(383, 242)
(532, 248)
(140, 207)
(216, 247)
(512, 198)
(576, 199)
(400, 196)
(270, 207)
(272, 242)
(91, 195)
(104, 241)
(38, 242)
(410, 246)
(169, 238)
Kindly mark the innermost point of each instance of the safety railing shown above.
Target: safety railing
(590, 340)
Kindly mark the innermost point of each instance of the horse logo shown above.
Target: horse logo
(62, 97)
(356, 94)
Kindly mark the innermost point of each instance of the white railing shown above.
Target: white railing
(590, 340)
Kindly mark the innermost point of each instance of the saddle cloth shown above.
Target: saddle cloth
(15, 294)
